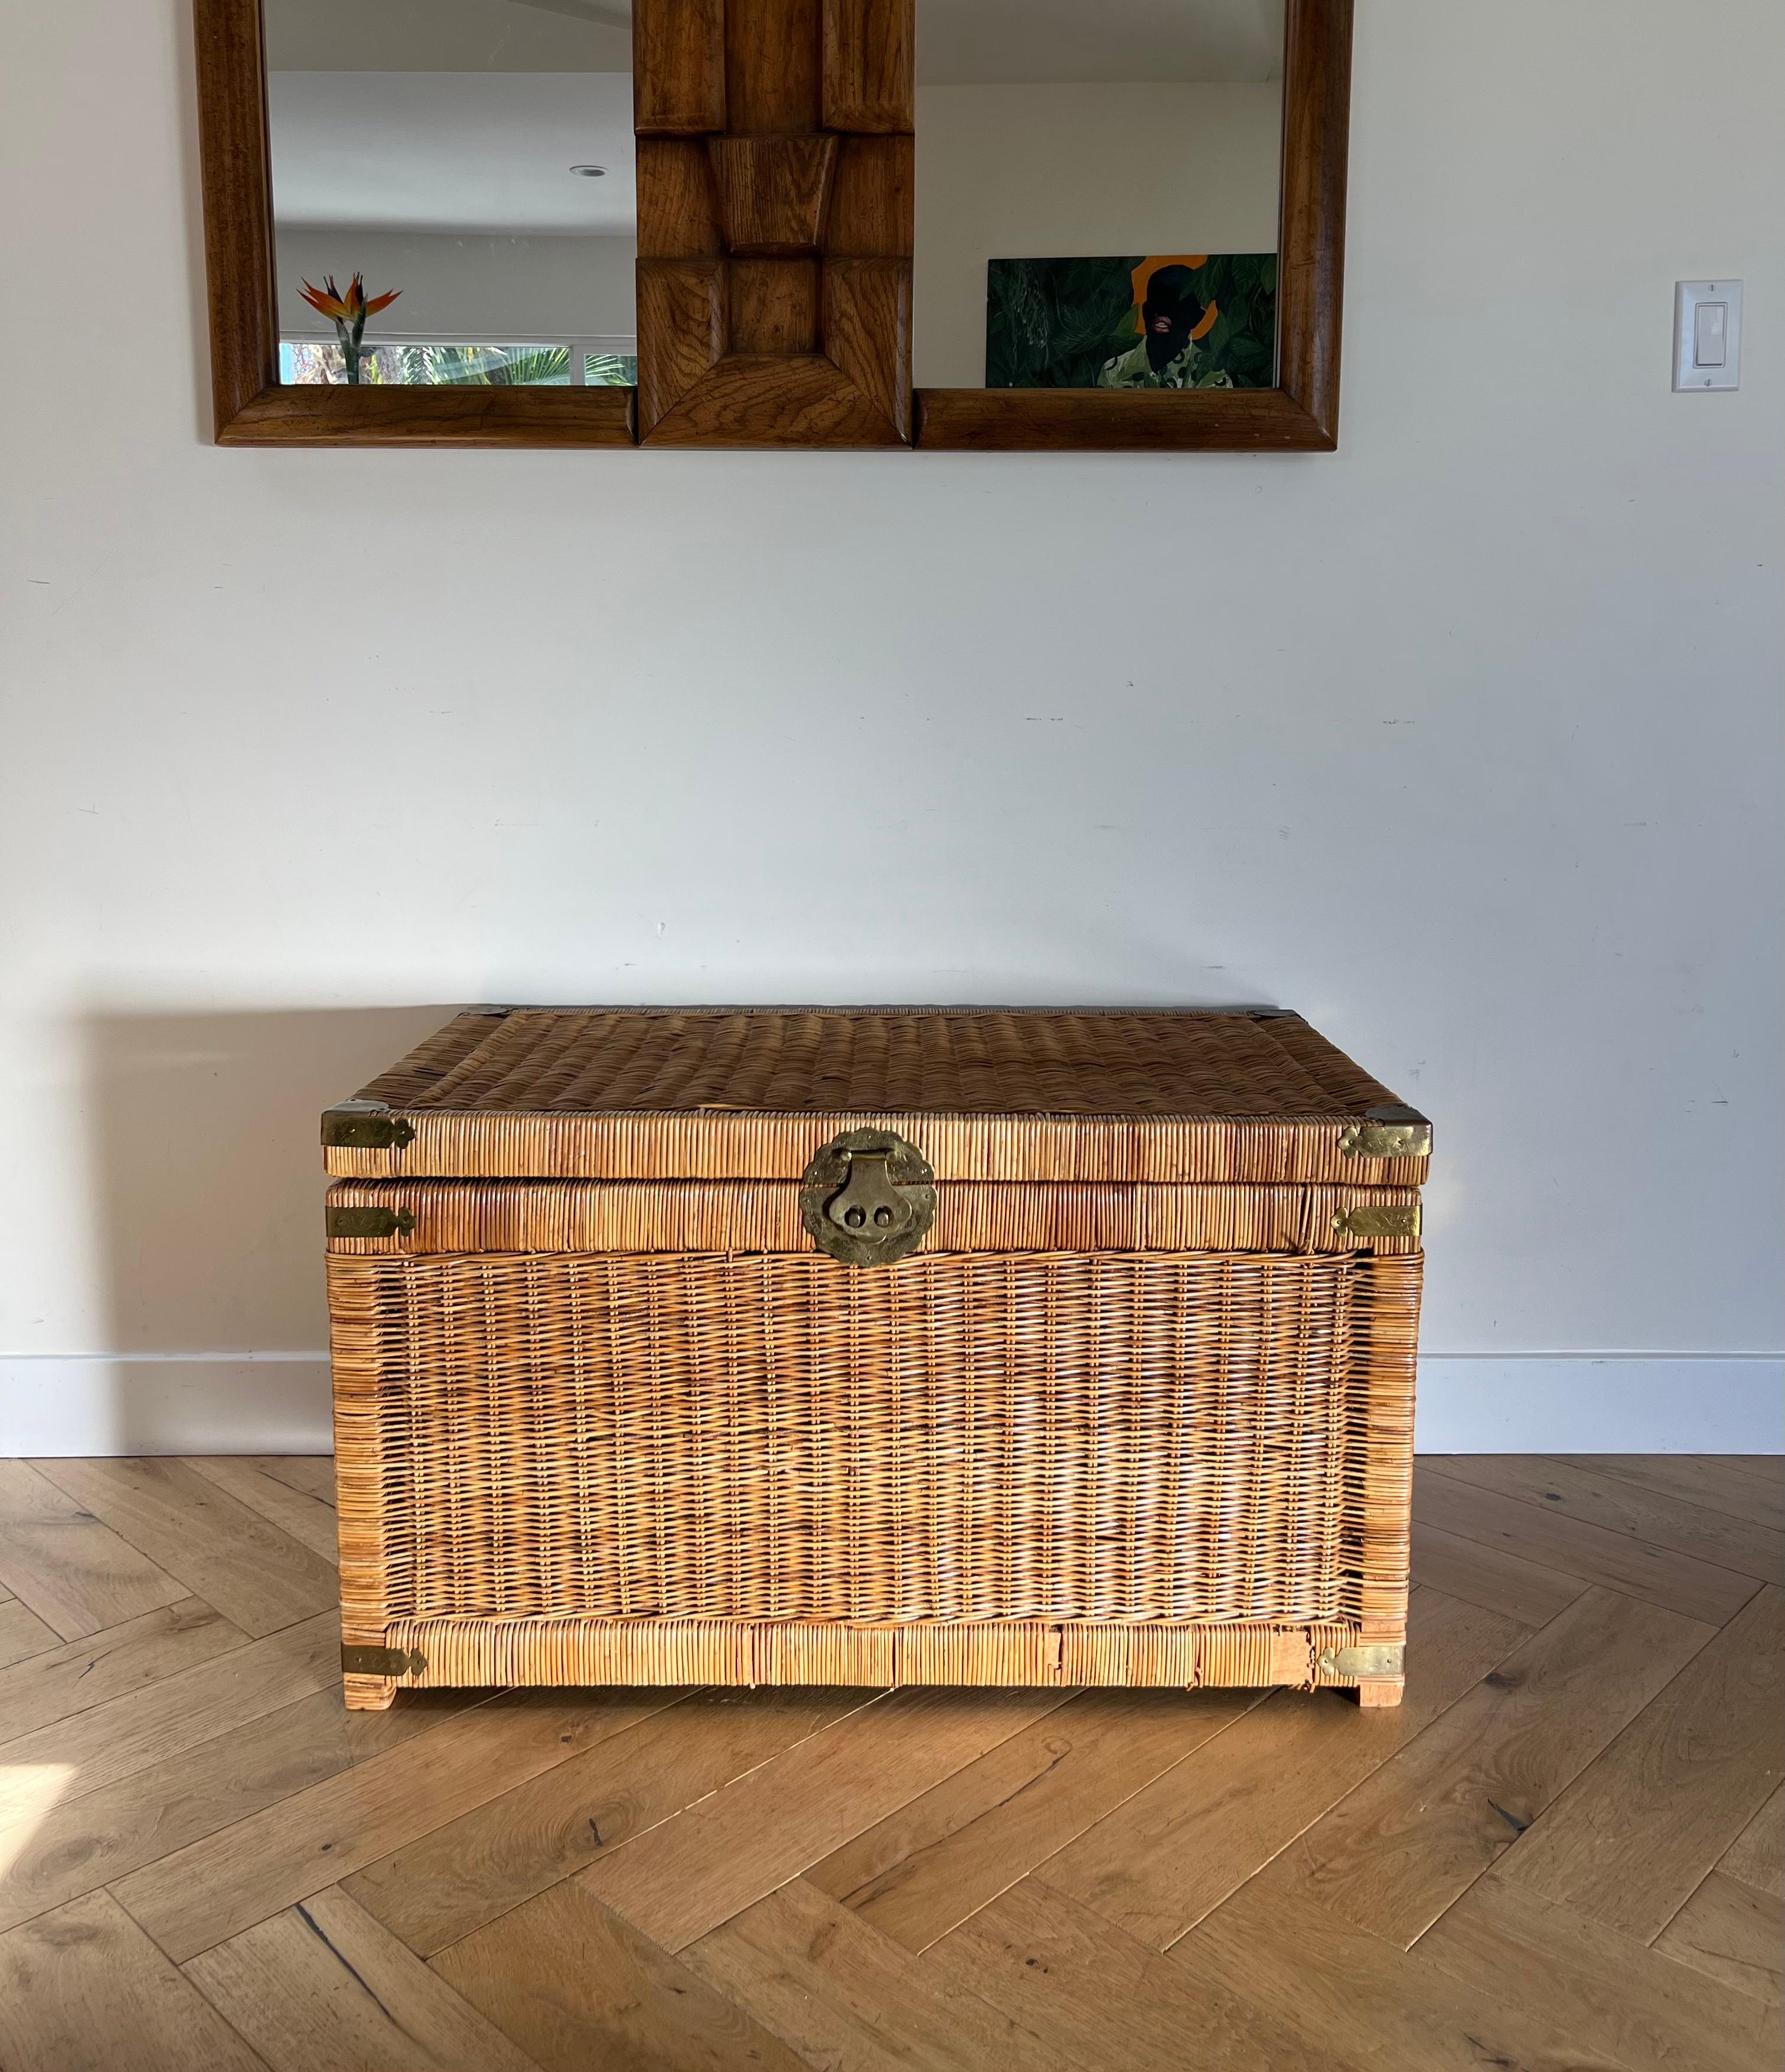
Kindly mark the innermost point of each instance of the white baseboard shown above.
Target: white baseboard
(58, 1406)
(67, 1404)
(1601, 1403)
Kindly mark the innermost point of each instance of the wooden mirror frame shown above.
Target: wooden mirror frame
(805, 328)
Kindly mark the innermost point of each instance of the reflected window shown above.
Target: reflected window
(471, 163)
(311, 362)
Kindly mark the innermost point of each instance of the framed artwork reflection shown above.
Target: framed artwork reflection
(1196, 320)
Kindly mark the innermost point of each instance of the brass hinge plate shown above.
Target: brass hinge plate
(370, 1222)
(1372, 1659)
(1379, 1219)
(1387, 1132)
(353, 1128)
(356, 1661)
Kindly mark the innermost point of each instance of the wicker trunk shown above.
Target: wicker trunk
(901, 1347)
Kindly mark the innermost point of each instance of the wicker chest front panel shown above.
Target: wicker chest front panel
(1053, 1436)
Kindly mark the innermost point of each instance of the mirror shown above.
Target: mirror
(1098, 188)
(1101, 189)
(472, 159)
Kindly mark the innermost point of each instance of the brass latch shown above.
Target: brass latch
(370, 1222)
(1378, 1219)
(357, 1660)
(349, 1127)
(868, 1198)
(1387, 1132)
(1372, 1658)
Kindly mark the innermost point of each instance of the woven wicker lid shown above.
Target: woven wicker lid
(984, 1093)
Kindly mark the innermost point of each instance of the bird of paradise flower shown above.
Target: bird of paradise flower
(348, 313)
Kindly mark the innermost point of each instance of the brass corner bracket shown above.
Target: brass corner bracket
(1387, 1132)
(371, 1223)
(1364, 1663)
(361, 1661)
(1378, 1219)
(360, 1127)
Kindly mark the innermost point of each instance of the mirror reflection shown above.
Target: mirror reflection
(469, 163)
(1097, 190)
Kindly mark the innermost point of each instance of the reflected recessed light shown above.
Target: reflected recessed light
(590, 172)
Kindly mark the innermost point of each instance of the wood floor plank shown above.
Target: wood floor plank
(1622, 2000)
(1491, 1577)
(1113, 2003)
(1639, 1829)
(1733, 1933)
(75, 1572)
(846, 1998)
(1572, 1491)
(128, 1733)
(450, 1882)
(80, 1674)
(579, 1990)
(1176, 1849)
(1340, 1988)
(84, 1990)
(322, 1987)
(72, 1848)
(22, 1634)
(929, 1864)
(312, 1474)
(688, 1875)
(1392, 1854)
(1674, 1582)
(252, 1571)
(1757, 1856)
(214, 1889)
(301, 1517)
(1740, 1487)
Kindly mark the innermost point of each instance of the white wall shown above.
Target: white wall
(1067, 172)
(488, 289)
(1464, 741)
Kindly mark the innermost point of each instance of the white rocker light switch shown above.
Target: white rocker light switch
(1707, 335)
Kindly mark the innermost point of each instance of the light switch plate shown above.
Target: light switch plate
(1707, 335)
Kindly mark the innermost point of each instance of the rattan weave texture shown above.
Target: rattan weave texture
(998, 1061)
(1031, 1437)
(496, 1651)
(989, 1094)
(763, 1215)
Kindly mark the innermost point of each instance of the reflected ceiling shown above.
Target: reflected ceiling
(959, 41)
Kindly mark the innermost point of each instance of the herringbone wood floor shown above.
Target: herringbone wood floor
(1564, 1851)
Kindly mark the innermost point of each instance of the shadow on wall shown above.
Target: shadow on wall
(208, 1172)
(207, 1183)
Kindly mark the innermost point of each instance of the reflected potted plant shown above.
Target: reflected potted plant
(349, 314)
